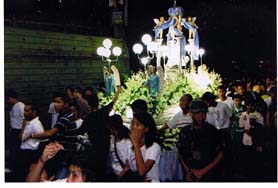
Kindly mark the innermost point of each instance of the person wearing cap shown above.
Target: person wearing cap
(200, 146)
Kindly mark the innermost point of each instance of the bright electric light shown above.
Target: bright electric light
(146, 39)
(137, 48)
(117, 51)
(152, 47)
(201, 51)
(144, 60)
(186, 59)
(107, 53)
(100, 51)
(107, 43)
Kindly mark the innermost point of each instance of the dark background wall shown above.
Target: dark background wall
(38, 63)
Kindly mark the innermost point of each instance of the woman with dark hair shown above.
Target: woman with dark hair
(145, 159)
(120, 146)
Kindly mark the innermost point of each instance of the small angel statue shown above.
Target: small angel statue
(158, 22)
(191, 21)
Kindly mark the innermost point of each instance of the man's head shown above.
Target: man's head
(250, 105)
(237, 99)
(93, 101)
(79, 170)
(30, 111)
(69, 92)
(273, 93)
(11, 97)
(240, 89)
(61, 103)
(139, 106)
(88, 91)
(199, 110)
(209, 98)
(78, 92)
(75, 109)
(221, 91)
(185, 102)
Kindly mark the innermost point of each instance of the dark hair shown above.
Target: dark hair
(222, 87)
(56, 94)
(190, 98)
(237, 96)
(116, 122)
(93, 100)
(198, 105)
(208, 96)
(11, 93)
(76, 106)
(89, 88)
(147, 120)
(70, 88)
(83, 162)
(79, 89)
(64, 98)
(139, 105)
(34, 107)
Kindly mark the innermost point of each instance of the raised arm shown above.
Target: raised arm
(49, 152)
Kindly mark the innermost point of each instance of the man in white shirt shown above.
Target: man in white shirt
(16, 120)
(219, 114)
(33, 126)
(29, 149)
(221, 93)
(182, 118)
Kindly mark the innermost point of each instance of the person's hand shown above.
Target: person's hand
(198, 173)
(135, 137)
(125, 169)
(50, 151)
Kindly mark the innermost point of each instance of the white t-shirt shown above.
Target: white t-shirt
(32, 127)
(54, 114)
(152, 153)
(229, 101)
(17, 115)
(78, 123)
(219, 116)
(180, 120)
(123, 149)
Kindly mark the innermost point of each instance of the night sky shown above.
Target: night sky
(238, 31)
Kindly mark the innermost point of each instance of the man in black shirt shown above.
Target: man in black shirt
(200, 147)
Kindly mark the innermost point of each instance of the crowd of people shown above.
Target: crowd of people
(230, 135)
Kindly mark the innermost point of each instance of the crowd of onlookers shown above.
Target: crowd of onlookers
(230, 135)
